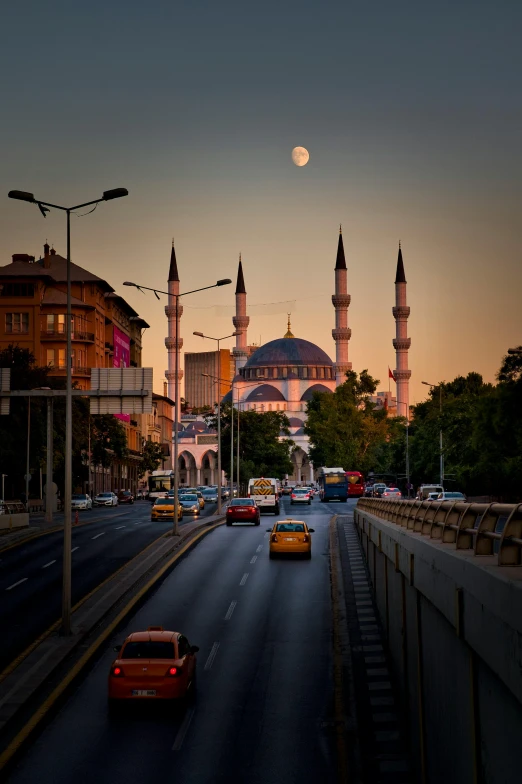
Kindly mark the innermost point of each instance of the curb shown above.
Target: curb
(72, 644)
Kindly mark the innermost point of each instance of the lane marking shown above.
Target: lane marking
(253, 559)
(75, 548)
(230, 610)
(49, 564)
(259, 548)
(211, 656)
(23, 580)
(98, 535)
(120, 526)
(244, 578)
(180, 737)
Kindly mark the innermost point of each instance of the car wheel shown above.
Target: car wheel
(229, 522)
(309, 502)
(113, 707)
(308, 555)
(258, 522)
(277, 509)
(272, 555)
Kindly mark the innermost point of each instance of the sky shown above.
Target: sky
(412, 116)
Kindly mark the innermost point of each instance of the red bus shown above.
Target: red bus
(355, 484)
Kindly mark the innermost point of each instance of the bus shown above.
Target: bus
(160, 482)
(333, 484)
(355, 484)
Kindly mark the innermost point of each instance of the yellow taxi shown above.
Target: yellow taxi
(152, 665)
(201, 499)
(290, 536)
(163, 509)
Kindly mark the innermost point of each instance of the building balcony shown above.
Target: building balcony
(76, 371)
(77, 335)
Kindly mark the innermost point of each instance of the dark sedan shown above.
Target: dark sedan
(243, 510)
(125, 497)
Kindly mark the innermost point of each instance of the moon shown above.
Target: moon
(300, 156)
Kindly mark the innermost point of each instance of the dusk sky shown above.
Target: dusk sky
(411, 112)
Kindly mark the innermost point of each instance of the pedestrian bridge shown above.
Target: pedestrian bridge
(447, 579)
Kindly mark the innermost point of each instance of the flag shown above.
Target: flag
(390, 374)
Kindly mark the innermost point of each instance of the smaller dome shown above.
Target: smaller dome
(264, 393)
(299, 432)
(228, 397)
(296, 422)
(315, 388)
(197, 426)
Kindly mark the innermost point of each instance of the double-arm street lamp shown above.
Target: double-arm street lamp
(43, 206)
(218, 341)
(223, 282)
(434, 386)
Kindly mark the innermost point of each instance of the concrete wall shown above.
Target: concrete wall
(454, 626)
(11, 522)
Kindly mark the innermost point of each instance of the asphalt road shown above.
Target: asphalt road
(264, 708)
(31, 572)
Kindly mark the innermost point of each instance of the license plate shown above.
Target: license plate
(291, 539)
(241, 509)
(144, 692)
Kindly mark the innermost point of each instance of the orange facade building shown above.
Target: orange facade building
(106, 332)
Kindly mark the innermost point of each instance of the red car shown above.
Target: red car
(125, 497)
(243, 510)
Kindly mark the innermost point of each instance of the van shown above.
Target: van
(424, 491)
(265, 493)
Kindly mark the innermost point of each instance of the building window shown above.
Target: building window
(284, 372)
(17, 323)
(17, 290)
(253, 406)
(277, 406)
(270, 406)
(50, 357)
(295, 370)
(61, 357)
(313, 373)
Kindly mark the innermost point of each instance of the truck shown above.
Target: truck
(424, 491)
(264, 491)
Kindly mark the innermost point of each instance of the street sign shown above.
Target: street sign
(126, 391)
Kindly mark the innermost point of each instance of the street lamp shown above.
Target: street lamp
(515, 351)
(43, 206)
(222, 282)
(218, 340)
(433, 386)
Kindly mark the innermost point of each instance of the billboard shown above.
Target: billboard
(121, 358)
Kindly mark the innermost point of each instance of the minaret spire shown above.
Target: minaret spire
(172, 314)
(341, 300)
(289, 333)
(240, 320)
(401, 342)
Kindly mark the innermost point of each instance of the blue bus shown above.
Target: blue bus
(333, 484)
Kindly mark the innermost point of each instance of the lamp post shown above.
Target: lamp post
(218, 341)
(43, 206)
(433, 386)
(3, 485)
(222, 282)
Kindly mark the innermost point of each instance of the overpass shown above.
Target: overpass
(447, 583)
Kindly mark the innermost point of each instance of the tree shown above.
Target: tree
(261, 452)
(152, 456)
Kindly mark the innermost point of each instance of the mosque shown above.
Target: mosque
(282, 375)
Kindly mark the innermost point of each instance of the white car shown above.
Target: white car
(451, 496)
(392, 492)
(81, 501)
(106, 499)
(301, 495)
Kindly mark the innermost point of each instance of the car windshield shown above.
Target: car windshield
(79, 497)
(164, 502)
(242, 502)
(105, 495)
(453, 495)
(188, 497)
(148, 649)
(290, 528)
(208, 492)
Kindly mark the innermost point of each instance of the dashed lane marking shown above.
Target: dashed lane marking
(120, 526)
(98, 535)
(253, 559)
(244, 578)
(230, 610)
(259, 548)
(49, 564)
(211, 656)
(74, 549)
(23, 580)
(180, 737)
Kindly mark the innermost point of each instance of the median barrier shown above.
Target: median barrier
(38, 678)
(13, 522)
(447, 579)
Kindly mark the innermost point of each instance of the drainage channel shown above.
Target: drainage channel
(383, 741)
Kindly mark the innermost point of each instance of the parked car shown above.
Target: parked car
(243, 510)
(125, 497)
(106, 499)
(392, 492)
(81, 501)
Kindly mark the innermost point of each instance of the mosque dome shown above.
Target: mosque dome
(289, 351)
(264, 393)
(314, 388)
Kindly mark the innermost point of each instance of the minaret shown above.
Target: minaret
(240, 321)
(341, 300)
(170, 342)
(402, 342)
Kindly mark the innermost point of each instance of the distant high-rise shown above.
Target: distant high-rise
(401, 342)
(341, 300)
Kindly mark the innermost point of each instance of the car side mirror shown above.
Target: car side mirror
(194, 648)
(311, 530)
(269, 530)
(117, 648)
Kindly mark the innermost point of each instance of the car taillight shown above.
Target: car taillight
(172, 672)
(117, 672)
(273, 538)
(306, 538)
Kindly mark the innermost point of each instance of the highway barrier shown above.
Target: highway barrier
(13, 522)
(448, 584)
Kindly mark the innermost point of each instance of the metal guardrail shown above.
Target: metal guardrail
(487, 529)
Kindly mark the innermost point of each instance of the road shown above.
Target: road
(31, 572)
(264, 708)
